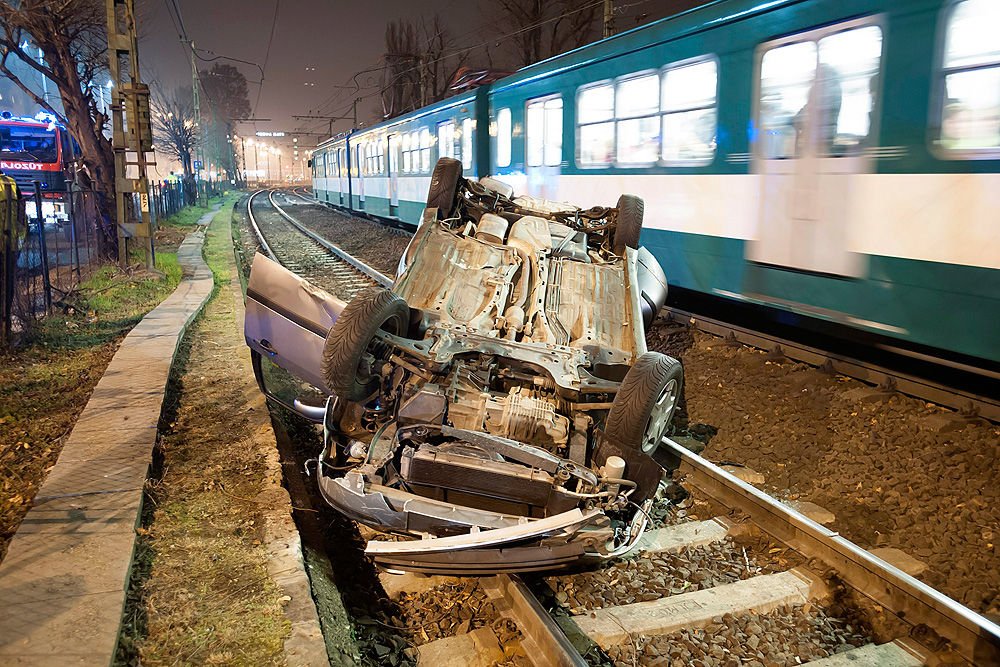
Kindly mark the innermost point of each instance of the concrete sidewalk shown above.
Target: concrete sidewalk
(64, 580)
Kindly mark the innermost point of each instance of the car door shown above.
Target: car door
(287, 320)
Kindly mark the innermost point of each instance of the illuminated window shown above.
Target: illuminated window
(425, 150)
(595, 112)
(970, 107)
(688, 99)
(467, 143)
(543, 132)
(404, 147)
(503, 138)
(817, 96)
(446, 139)
(637, 130)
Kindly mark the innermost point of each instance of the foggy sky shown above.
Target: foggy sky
(336, 37)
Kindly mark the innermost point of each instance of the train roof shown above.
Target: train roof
(691, 21)
(457, 100)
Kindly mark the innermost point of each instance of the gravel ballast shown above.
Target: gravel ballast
(896, 471)
(375, 244)
(653, 576)
(789, 635)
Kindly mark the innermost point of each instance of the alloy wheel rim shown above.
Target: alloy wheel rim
(659, 418)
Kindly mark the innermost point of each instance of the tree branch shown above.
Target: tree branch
(30, 93)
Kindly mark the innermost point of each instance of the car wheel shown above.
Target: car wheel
(349, 366)
(630, 210)
(645, 402)
(444, 185)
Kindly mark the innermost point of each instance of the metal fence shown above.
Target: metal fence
(45, 257)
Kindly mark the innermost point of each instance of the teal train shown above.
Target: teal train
(831, 163)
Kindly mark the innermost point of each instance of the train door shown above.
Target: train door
(359, 159)
(393, 165)
(815, 112)
(342, 173)
(543, 145)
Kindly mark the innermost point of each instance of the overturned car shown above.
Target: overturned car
(497, 401)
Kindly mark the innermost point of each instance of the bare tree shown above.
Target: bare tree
(545, 28)
(228, 100)
(401, 76)
(420, 61)
(175, 132)
(71, 35)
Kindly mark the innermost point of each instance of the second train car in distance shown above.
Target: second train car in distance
(833, 162)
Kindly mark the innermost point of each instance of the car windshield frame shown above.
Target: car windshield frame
(29, 144)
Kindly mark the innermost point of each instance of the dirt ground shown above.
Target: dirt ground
(896, 471)
(204, 594)
(46, 382)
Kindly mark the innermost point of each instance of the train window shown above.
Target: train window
(970, 108)
(425, 150)
(786, 76)
(543, 133)
(817, 96)
(595, 114)
(688, 102)
(404, 147)
(503, 137)
(446, 139)
(467, 143)
(847, 76)
(637, 130)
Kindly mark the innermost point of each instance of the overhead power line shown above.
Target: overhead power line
(458, 52)
(267, 54)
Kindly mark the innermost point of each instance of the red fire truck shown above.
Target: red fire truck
(38, 149)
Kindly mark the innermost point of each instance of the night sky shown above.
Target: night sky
(337, 38)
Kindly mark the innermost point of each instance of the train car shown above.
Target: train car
(38, 149)
(385, 170)
(833, 164)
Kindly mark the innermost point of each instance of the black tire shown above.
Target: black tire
(444, 186)
(350, 336)
(630, 210)
(645, 403)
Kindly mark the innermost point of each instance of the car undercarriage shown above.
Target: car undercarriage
(496, 408)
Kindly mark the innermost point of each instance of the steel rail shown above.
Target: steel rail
(547, 645)
(974, 637)
(253, 223)
(927, 390)
(372, 273)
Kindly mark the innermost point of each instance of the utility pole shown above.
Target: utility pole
(609, 18)
(132, 134)
(196, 101)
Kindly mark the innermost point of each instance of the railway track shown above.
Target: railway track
(680, 605)
(284, 239)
